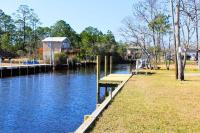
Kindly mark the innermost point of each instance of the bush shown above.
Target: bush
(60, 58)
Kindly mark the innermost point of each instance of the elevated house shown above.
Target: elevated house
(53, 45)
(191, 54)
(133, 52)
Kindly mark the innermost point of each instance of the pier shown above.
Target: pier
(112, 83)
(17, 70)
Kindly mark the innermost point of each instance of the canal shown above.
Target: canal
(48, 103)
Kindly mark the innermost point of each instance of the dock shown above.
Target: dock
(114, 79)
(24, 69)
(112, 83)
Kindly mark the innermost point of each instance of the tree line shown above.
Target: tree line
(165, 30)
(22, 34)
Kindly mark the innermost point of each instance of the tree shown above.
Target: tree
(174, 36)
(43, 32)
(178, 42)
(62, 29)
(110, 38)
(176, 32)
(23, 16)
(6, 31)
(160, 25)
(142, 32)
(89, 37)
(196, 16)
(34, 23)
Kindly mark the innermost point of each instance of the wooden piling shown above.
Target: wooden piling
(11, 68)
(1, 66)
(45, 68)
(97, 105)
(11, 72)
(98, 77)
(111, 89)
(27, 70)
(105, 74)
(19, 71)
(105, 67)
(86, 117)
(110, 64)
(34, 69)
(1, 73)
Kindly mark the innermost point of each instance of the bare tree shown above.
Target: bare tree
(178, 42)
(138, 35)
(174, 36)
(196, 14)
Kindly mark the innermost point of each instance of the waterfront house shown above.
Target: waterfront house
(52, 45)
(133, 52)
(191, 54)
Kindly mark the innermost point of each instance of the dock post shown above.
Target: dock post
(111, 89)
(39, 68)
(136, 67)
(105, 74)
(98, 77)
(110, 64)
(1, 66)
(34, 69)
(1, 73)
(19, 68)
(27, 69)
(11, 67)
(54, 68)
(105, 67)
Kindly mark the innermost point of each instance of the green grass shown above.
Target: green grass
(154, 104)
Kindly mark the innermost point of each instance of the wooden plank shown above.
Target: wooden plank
(114, 78)
(105, 67)
(109, 82)
(23, 66)
(110, 64)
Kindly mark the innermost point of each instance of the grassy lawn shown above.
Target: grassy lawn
(154, 104)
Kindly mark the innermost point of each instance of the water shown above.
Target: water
(48, 103)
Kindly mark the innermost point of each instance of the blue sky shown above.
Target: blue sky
(102, 14)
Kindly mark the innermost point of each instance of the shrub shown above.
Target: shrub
(60, 58)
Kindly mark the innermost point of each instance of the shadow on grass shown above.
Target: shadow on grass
(190, 80)
(144, 73)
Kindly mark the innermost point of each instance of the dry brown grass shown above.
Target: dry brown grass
(154, 104)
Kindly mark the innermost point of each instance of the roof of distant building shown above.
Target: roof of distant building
(54, 39)
(133, 47)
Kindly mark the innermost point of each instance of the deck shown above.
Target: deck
(23, 69)
(114, 78)
(15, 66)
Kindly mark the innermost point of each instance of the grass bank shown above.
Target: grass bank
(154, 104)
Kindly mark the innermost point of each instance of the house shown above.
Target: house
(191, 54)
(133, 52)
(52, 45)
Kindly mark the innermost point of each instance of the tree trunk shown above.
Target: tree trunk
(24, 33)
(155, 51)
(197, 31)
(177, 29)
(174, 35)
(184, 59)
